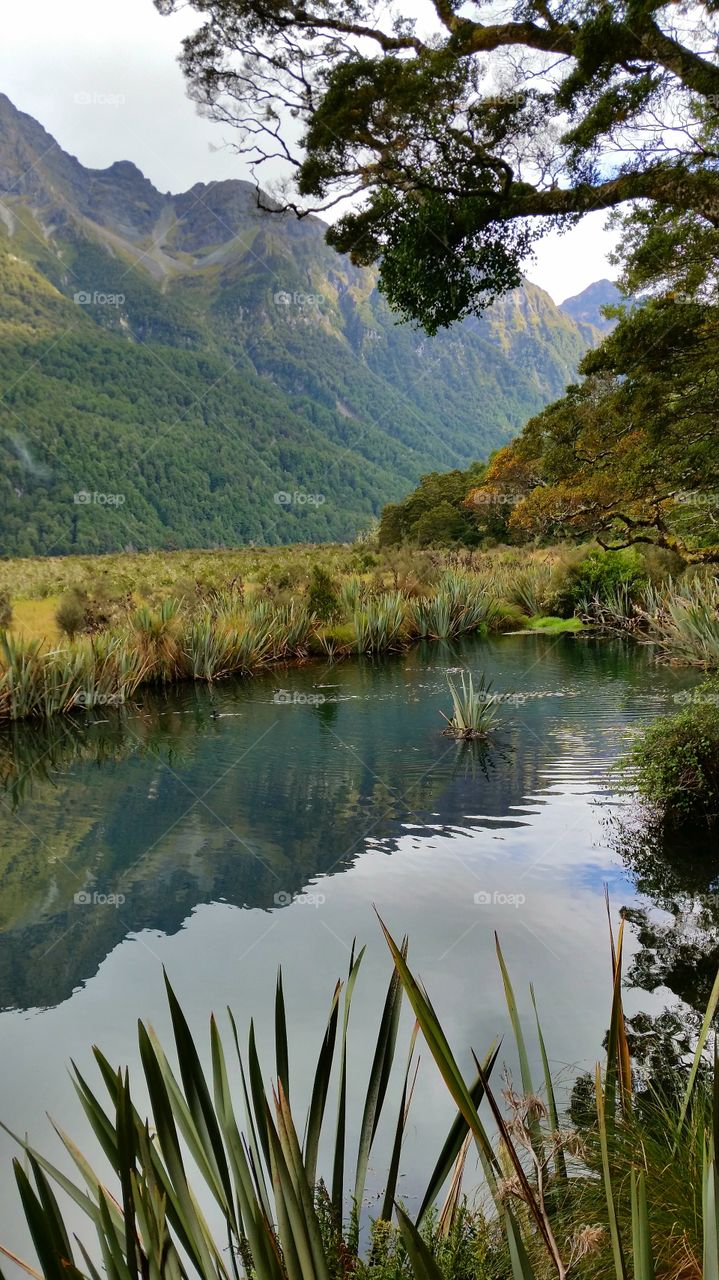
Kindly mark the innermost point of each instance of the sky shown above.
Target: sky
(102, 77)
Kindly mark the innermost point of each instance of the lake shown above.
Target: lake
(223, 832)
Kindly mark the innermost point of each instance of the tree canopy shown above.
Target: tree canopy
(462, 138)
(632, 454)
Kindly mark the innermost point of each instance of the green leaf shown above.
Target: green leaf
(379, 1078)
(421, 1260)
(454, 1140)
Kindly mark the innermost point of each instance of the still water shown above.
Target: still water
(223, 833)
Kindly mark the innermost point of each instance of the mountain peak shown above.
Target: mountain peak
(586, 307)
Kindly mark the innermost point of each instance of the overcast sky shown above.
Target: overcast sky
(121, 55)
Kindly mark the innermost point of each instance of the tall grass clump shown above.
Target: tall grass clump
(380, 624)
(157, 633)
(474, 710)
(618, 610)
(683, 620)
(22, 678)
(531, 588)
(292, 627)
(460, 605)
(628, 1191)
(352, 594)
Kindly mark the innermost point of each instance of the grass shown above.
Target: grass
(683, 620)
(554, 626)
(209, 615)
(630, 1191)
(35, 619)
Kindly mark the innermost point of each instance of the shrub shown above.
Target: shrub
(322, 594)
(674, 764)
(5, 610)
(598, 576)
(70, 614)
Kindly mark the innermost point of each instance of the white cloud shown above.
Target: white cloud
(566, 264)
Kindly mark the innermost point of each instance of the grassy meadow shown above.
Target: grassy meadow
(87, 631)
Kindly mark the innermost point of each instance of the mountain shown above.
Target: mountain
(193, 370)
(585, 308)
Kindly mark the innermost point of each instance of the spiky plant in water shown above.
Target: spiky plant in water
(380, 624)
(615, 611)
(432, 617)
(22, 677)
(251, 645)
(208, 648)
(474, 710)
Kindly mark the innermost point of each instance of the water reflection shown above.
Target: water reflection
(232, 796)
(678, 929)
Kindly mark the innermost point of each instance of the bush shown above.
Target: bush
(70, 614)
(5, 610)
(675, 762)
(322, 595)
(598, 576)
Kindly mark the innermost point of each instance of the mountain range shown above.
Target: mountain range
(194, 370)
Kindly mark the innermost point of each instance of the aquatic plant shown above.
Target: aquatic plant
(474, 710)
(460, 605)
(617, 610)
(291, 628)
(630, 1189)
(22, 678)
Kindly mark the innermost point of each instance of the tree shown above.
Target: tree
(435, 512)
(462, 143)
(632, 454)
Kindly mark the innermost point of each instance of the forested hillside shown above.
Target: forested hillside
(177, 362)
